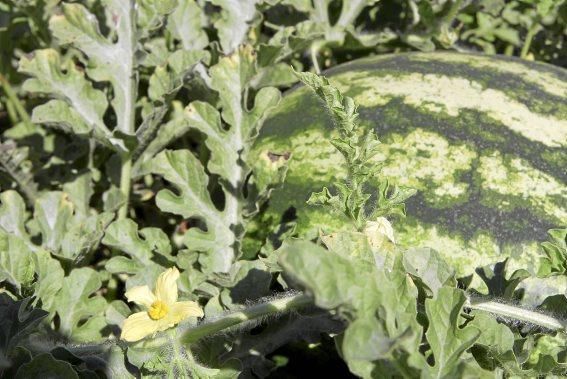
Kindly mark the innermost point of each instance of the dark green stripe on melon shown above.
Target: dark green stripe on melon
(522, 90)
(483, 138)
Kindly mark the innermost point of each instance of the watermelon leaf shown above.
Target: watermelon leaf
(448, 341)
(77, 26)
(16, 261)
(495, 345)
(335, 32)
(18, 319)
(555, 262)
(46, 365)
(335, 283)
(147, 257)
(427, 266)
(27, 266)
(186, 24)
(187, 174)
(12, 213)
(49, 278)
(234, 21)
(499, 285)
(75, 303)
(229, 135)
(81, 107)
(65, 231)
(381, 307)
(168, 78)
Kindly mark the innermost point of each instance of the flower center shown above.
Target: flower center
(158, 310)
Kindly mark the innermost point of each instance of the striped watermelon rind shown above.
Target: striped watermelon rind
(482, 138)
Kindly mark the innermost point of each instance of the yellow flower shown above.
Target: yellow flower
(162, 308)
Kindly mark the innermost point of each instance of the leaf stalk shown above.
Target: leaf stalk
(126, 169)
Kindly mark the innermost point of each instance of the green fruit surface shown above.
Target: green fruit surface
(482, 138)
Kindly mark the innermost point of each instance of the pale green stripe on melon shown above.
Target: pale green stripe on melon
(436, 167)
(479, 250)
(539, 77)
(428, 162)
(509, 183)
(439, 93)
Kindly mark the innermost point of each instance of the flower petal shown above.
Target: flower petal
(138, 326)
(166, 286)
(182, 310)
(141, 295)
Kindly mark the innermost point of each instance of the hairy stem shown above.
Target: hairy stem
(179, 356)
(517, 313)
(285, 304)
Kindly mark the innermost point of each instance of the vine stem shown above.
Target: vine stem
(125, 179)
(11, 94)
(532, 31)
(315, 46)
(301, 300)
(285, 304)
(517, 313)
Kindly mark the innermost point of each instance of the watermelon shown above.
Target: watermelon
(482, 138)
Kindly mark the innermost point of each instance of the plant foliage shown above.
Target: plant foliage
(126, 132)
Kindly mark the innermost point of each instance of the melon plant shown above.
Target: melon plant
(481, 138)
(132, 199)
